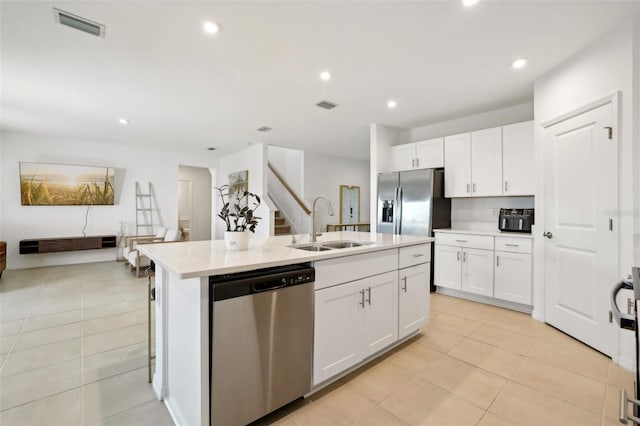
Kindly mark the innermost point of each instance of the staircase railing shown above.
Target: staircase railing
(289, 203)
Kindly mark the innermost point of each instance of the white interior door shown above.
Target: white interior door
(581, 251)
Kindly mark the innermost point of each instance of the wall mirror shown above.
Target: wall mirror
(349, 204)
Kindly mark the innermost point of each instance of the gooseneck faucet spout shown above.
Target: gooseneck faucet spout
(313, 234)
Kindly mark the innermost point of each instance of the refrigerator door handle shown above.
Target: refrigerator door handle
(399, 215)
(396, 211)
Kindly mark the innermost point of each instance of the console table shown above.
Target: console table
(54, 245)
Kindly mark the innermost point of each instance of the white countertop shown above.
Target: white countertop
(481, 232)
(191, 259)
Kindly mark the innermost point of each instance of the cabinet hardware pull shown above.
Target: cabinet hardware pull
(512, 245)
(461, 241)
(610, 224)
(369, 293)
(418, 255)
(468, 188)
(413, 162)
(458, 255)
(404, 287)
(506, 186)
(464, 256)
(497, 260)
(361, 303)
(417, 162)
(474, 187)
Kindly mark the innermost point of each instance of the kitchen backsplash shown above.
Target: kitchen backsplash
(482, 213)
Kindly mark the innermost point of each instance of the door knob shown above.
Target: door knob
(548, 235)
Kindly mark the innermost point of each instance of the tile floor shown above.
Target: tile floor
(73, 352)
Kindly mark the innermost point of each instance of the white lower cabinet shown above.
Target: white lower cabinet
(413, 298)
(477, 271)
(447, 268)
(354, 320)
(513, 277)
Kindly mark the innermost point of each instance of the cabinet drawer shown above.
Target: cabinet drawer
(350, 268)
(484, 242)
(414, 255)
(514, 245)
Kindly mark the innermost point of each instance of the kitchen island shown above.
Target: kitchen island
(392, 268)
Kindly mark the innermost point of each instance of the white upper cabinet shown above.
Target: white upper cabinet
(457, 165)
(427, 154)
(486, 162)
(517, 159)
(430, 154)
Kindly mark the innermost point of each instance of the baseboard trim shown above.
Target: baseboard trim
(526, 309)
(174, 412)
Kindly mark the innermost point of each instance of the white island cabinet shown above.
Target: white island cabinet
(356, 300)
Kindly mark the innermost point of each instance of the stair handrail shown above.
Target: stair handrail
(286, 186)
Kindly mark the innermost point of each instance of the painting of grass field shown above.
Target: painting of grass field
(63, 185)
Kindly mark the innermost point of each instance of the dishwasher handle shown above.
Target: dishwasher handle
(269, 285)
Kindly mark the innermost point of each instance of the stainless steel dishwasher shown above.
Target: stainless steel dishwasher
(261, 345)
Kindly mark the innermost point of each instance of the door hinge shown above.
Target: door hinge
(609, 131)
(610, 316)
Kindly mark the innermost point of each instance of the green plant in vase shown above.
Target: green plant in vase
(238, 213)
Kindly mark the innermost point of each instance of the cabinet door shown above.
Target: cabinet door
(477, 271)
(448, 270)
(517, 159)
(430, 154)
(457, 165)
(403, 157)
(413, 299)
(513, 277)
(380, 312)
(486, 162)
(336, 330)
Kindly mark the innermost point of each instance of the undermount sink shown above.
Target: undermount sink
(329, 245)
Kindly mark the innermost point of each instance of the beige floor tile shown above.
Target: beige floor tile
(423, 403)
(572, 356)
(438, 339)
(473, 311)
(36, 384)
(379, 417)
(51, 320)
(44, 336)
(106, 310)
(440, 302)
(279, 417)
(41, 356)
(102, 298)
(342, 406)
(584, 392)
(114, 395)
(505, 339)
(152, 413)
(13, 313)
(10, 327)
(621, 378)
(117, 361)
(113, 339)
(487, 357)
(112, 322)
(62, 409)
(414, 357)
(138, 304)
(453, 324)
(380, 381)
(56, 305)
(517, 322)
(6, 343)
(490, 419)
(468, 382)
(523, 405)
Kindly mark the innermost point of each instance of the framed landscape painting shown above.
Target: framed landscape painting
(44, 184)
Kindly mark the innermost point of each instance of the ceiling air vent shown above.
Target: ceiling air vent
(78, 23)
(264, 129)
(326, 105)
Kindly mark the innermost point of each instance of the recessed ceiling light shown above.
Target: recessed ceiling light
(392, 104)
(211, 27)
(325, 76)
(519, 63)
(469, 3)
(123, 121)
(211, 148)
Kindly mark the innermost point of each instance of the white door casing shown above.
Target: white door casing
(581, 201)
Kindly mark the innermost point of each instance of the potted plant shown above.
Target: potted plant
(238, 214)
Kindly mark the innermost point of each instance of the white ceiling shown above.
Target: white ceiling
(182, 88)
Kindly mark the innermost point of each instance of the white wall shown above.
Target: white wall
(596, 72)
(323, 175)
(499, 117)
(380, 139)
(289, 163)
(200, 202)
(636, 137)
(253, 159)
(482, 213)
(131, 164)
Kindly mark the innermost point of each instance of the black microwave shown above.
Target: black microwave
(515, 220)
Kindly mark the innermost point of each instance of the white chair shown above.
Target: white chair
(159, 236)
(138, 261)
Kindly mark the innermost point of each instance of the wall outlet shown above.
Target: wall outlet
(495, 212)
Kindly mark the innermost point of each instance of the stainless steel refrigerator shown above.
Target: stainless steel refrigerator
(413, 203)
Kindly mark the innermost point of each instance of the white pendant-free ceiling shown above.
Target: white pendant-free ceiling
(180, 87)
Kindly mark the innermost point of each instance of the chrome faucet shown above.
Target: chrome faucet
(312, 236)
